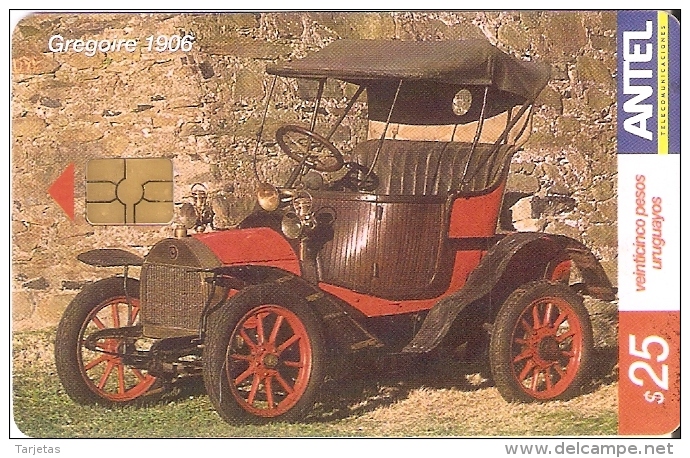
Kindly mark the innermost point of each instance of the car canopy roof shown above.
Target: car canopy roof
(456, 62)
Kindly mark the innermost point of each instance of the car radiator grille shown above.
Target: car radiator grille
(173, 299)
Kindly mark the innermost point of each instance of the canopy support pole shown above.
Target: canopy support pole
(299, 168)
(317, 104)
(385, 130)
(504, 135)
(477, 135)
(352, 101)
(261, 128)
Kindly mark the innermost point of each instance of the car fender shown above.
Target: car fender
(516, 259)
(343, 332)
(110, 257)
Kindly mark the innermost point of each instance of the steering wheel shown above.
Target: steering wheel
(316, 152)
(358, 178)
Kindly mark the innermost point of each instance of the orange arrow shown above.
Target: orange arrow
(62, 190)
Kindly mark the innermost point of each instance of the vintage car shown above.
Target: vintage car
(389, 249)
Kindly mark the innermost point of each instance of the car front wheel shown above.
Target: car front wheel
(263, 359)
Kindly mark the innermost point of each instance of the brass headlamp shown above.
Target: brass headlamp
(268, 197)
(294, 223)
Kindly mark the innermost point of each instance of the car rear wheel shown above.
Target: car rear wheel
(541, 343)
(263, 359)
(96, 372)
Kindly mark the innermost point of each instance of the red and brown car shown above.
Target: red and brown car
(389, 249)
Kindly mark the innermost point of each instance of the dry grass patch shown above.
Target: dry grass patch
(483, 412)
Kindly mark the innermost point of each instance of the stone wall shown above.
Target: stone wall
(202, 109)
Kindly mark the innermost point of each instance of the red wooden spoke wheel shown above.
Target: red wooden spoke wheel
(269, 361)
(547, 343)
(97, 373)
(541, 343)
(103, 369)
(264, 357)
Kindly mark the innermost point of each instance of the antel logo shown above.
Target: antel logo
(637, 82)
(638, 51)
(648, 83)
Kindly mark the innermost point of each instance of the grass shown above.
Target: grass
(447, 399)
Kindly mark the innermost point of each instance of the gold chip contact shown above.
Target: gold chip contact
(129, 191)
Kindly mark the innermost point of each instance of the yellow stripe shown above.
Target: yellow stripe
(662, 88)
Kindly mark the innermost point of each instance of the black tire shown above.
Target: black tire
(254, 379)
(541, 344)
(92, 377)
